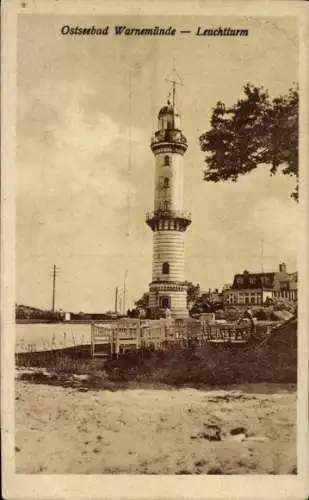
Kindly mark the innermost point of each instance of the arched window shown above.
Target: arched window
(165, 268)
(166, 182)
(167, 161)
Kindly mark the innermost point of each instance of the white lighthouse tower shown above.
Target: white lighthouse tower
(168, 220)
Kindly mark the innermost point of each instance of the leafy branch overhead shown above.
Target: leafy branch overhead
(256, 130)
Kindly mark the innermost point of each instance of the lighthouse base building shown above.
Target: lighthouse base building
(168, 220)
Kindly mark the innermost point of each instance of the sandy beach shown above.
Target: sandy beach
(249, 430)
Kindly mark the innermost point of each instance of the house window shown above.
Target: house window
(166, 182)
(167, 161)
(165, 268)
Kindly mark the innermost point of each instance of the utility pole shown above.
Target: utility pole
(116, 299)
(124, 291)
(54, 272)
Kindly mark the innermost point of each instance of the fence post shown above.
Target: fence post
(111, 341)
(117, 342)
(92, 341)
(137, 336)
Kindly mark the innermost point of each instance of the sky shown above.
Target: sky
(85, 172)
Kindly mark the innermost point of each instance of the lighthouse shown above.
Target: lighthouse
(168, 220)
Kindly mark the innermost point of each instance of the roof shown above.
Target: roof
(253, 280)
(270, 280)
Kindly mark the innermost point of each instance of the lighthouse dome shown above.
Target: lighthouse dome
(166, 110)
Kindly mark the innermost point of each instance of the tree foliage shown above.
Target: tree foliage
(193, 292)
(256, 130)
(143, 301)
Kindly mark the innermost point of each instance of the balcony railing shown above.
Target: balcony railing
(168, 214)
(169, 135)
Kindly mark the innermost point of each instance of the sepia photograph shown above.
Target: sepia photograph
(158, 213)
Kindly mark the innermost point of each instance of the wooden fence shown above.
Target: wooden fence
(122, 335)
(118, 337)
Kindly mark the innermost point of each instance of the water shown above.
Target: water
(46, 336)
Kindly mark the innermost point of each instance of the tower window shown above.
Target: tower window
(165, 302)
(167, 161)
(166, 182)
(165, 268)
(165, 206)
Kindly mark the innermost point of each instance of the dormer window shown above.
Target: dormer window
(167, 161)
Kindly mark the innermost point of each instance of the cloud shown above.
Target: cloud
(277, 222)
(241, 225)
(74, 194)
(80, 156)
(86, 137)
